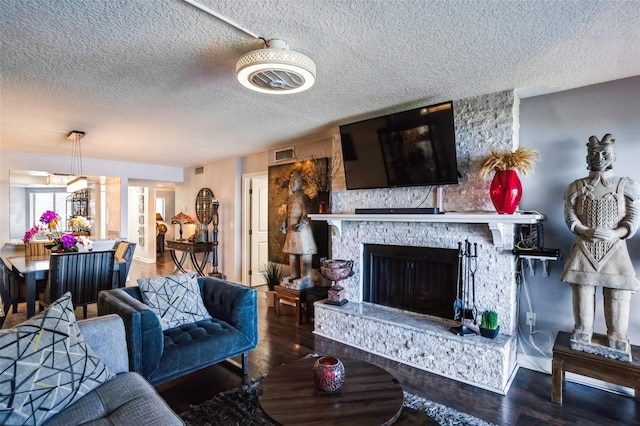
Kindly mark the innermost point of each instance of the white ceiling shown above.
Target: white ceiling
(154, 81)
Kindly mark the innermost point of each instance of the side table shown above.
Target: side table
(565, 359)
(191, 249)
(301, 299)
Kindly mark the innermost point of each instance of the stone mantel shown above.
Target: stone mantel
(500, 225)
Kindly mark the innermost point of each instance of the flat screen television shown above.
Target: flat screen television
(409, 148)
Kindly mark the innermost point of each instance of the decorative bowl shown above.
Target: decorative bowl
(336, 269)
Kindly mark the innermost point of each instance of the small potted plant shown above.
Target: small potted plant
(489, 326)
(273, 274)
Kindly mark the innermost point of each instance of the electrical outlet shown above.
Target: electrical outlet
(531, 318)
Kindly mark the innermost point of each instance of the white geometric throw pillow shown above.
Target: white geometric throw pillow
(175, 299)
(45, 366)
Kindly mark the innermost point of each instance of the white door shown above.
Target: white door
(259, 227)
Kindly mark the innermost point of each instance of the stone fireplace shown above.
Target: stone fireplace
(416, 279)
(422, 340)
(421, 337)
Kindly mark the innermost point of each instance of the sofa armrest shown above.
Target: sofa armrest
(145, 340)
(232, 303)
(106, 336)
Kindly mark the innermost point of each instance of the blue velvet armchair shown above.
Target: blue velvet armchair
(162, 356)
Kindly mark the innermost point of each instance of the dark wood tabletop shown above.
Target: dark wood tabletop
(369, 396)
(189, 248)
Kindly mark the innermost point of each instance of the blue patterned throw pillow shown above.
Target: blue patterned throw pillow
(45, 366)
(175, 299)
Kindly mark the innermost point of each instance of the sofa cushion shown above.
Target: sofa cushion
(45, 366)
(127, 399)
(176, 299)
(197, 345)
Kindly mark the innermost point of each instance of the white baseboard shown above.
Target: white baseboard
(145, 259)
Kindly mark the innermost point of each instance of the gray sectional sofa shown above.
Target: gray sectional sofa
(127, 399)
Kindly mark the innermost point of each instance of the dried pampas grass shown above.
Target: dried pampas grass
(521, 160)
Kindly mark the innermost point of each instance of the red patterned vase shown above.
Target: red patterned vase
(505, 191)
(328, 373)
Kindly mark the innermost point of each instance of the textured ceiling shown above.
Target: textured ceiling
(154, 81)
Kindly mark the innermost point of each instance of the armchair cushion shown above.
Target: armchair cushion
(46, 365)
(175, 299)
(145, 342)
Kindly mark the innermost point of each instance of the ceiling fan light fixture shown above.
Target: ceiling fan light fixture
(276, 69)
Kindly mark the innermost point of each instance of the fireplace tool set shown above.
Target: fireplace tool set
(464, 307)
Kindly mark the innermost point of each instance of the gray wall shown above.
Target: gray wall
(558, 126)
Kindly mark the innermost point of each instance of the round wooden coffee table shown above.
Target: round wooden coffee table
(369, 396)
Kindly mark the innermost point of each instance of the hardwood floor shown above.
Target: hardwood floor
(281, 340)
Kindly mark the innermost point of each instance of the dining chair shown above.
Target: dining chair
(11, 292)
(33, 248)
(37, 248)
(124, 250)
(84, 274)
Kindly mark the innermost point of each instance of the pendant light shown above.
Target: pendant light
(80, 182)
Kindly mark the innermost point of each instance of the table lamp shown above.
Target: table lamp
(181, 219)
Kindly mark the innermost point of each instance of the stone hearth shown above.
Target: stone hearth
(420, 340)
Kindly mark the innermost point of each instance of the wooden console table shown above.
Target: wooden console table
(595, 366)
(191, 249)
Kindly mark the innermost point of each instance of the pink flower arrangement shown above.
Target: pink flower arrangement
(50, 218)
(35, 230)
(68, 240)
(50, 221)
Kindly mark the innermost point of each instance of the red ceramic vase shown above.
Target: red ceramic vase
(505, 191)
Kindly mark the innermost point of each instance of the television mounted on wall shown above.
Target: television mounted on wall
(410, 148)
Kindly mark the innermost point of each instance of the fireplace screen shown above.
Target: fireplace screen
(417, 279)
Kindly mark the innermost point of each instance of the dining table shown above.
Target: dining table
(34, 268)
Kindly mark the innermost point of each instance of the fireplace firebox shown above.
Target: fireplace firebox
(417, 279)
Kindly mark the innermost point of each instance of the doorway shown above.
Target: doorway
(256, 198)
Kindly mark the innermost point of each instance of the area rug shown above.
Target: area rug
(240, 407)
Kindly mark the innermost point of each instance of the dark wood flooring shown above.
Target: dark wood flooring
(281, 340)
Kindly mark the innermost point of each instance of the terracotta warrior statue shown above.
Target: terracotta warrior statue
(603, 211)
(299, 242)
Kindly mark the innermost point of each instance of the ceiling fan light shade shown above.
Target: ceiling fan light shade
(276, 70)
